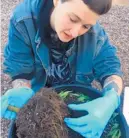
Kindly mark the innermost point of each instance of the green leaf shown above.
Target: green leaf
(64, 94)
(83, 98)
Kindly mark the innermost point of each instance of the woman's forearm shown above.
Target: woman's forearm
(21, 83)
(115, 82)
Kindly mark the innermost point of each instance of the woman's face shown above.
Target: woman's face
(71, 19)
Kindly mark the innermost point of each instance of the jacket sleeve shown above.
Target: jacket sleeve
(18, 55)
(106, 61)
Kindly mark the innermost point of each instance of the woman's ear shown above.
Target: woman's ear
(55, 2)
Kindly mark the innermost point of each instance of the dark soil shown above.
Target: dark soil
(43, 117)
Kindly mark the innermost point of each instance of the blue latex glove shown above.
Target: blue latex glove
(17, 97)
(100, 111)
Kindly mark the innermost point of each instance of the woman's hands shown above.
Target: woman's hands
(100, 111)
(17, 97)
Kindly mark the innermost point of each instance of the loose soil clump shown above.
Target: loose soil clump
(43, 117)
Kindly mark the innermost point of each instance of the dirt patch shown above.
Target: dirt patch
(43, 117)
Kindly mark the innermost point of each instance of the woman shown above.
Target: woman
(53, 42)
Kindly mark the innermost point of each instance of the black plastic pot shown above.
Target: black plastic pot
(91, 92)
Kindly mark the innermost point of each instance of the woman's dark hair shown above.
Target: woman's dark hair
(98, 6)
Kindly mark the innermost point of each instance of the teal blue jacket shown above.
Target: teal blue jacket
(27, 56)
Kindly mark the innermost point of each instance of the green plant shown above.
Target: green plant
(115, 129)
(64, 94)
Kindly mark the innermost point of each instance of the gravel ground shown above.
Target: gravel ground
(116, 23)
